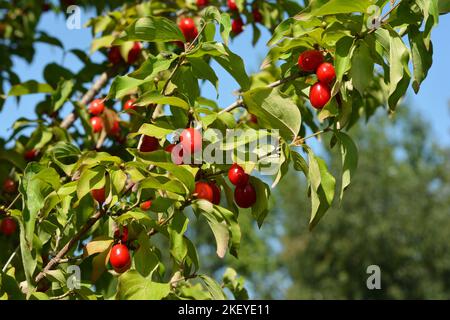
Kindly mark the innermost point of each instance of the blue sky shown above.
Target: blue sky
(432, 101)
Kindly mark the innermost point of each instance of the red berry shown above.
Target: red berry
(96, 107)
(177, 155)
(149, 144)
(8, 226)
(216, 193)
(97, 124)
(257, 16)
(245, 196)
(204, 191)
(326, 73)
(122, 236)
(310, 60)
(232, 5)
(191, 140)
(188, 28)
(99, 195)
(319, 95)
(129, 105)
(115, 129)
(253, 119)
(134, 53)
(237, 26)
(30, 155)
(237, 175)
(202, 3)
(146, 205)
(114, 55)
(9, 186)
(46, 7)
(120, 258)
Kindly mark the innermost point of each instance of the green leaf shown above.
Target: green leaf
(153, 130)
(261, 208)
(399, 74)
(299, 163)
(90, 179)
(156, 98)
(422, 58)
(362, 66)
(235, 284)
(152, 29)
(37, 183)
(349, 153)
(214, 288)
(344, 49)
(176, 230)
(329, 7)
(322, 188)
(203, 70)
(30, 87)
(62, 93)
(133, 286)
(274, 110)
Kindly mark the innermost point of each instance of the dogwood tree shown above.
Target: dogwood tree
(96, 204)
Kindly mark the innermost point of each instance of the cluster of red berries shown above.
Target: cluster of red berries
(320, 92)
(237, 24)
(96, 109)
(244, 194)
(115, 56)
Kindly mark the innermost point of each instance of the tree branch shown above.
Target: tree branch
(69, 245)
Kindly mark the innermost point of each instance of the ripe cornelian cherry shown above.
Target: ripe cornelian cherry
(9, 186)
(120, 258)
(114, 55)
(191, 140)
(237, 26)
(115, 129)
(97, 124)
(237, 175)
(216, 193)
(146, 205)
(176, 153)
(188, 28)
(319, 95)
(96, 107)
(99, 195)
(245, 196)
(204, 191)
(257, 16)
(134, 53)
(149, 144)
(121, 235)
(326, 73)
(253, 119)
(8, 226)
(310, 60)
(129, 105)
(202, 3)
(30, 155)
(232, 5)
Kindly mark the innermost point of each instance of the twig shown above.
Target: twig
(383, 19)
(97, 216)
(301, 141)
(10, 259)
(68, 293)
(14, 201)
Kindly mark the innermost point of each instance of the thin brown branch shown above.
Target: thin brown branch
(69, 245)
(68, 293)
